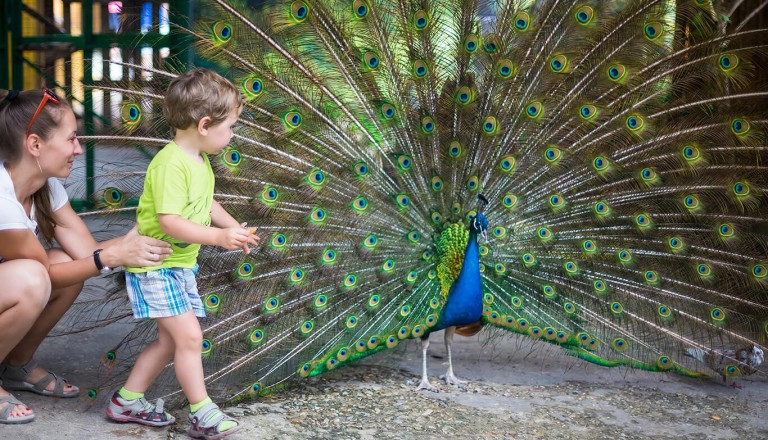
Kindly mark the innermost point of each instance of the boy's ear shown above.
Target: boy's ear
(202, 125)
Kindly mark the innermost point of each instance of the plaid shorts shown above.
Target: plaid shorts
(164, 292)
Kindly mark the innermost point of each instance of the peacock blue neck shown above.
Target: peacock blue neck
(465, 299)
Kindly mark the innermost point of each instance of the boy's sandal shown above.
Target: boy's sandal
(138, 411)
(205, 423)
(5, 412)
(15, 379)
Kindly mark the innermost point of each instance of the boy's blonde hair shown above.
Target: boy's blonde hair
(199, 93)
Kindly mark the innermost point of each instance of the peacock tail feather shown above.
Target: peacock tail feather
(621, 146)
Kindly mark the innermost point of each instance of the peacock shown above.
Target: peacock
(590, 174)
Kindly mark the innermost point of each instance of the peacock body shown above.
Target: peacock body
(620, 147)
(464, 302)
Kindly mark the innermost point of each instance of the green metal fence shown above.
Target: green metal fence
(73, 45)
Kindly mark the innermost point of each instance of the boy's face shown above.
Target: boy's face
(220, 134)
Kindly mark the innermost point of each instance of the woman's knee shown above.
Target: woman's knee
(31, 287)
(38, 284)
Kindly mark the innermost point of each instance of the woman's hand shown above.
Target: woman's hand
(136, 250)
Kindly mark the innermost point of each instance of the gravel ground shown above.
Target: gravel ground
(369, 402)
(516, 390)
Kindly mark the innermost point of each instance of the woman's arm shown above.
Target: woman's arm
(76, 240)
(18, 244)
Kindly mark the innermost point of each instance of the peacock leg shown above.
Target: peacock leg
(425, 385)
(449, 377)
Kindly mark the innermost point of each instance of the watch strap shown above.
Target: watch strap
(97, 259)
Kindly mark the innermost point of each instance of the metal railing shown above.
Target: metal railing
(71, 46)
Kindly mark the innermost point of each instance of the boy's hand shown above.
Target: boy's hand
(253, 239)
(232, 238)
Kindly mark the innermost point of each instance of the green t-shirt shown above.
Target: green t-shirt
(175, 184)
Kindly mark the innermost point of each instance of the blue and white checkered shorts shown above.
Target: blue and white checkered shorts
(164, 292)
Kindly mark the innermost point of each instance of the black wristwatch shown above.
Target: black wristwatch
(97, 259)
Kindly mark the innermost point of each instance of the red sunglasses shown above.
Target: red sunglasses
(48, 95)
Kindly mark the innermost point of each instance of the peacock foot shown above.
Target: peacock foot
(451, 379)
(425, 385)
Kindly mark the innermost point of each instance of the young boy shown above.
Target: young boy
(177, 206)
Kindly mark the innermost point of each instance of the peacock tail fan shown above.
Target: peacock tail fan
(621, 147)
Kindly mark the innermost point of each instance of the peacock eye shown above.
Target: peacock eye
(371, 59)
(252, 87)
(653, 30)
(292, 120)
(522, 21)
(427, 125)
(299, 11)
(471, 43)
(361, 8)
(617, 72)
(635, 123)
(584, 15)
(404, 161)
(420, 20)
(222, 32)
(492, 44)
(505, 68)
(420, 68)
(131, 115)
(387, 111)
(534, 110)
(588, 112)
(740, 127)
(728, 62)
(558, 63)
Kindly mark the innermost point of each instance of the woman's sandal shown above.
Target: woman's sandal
(15, 379)
(5, 412)
(206, 420)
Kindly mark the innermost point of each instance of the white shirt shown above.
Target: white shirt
(12, 214)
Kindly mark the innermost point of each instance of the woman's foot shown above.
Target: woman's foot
(38, 373)
(18, 412)
(30, 377)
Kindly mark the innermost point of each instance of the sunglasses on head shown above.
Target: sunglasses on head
(48, 95)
